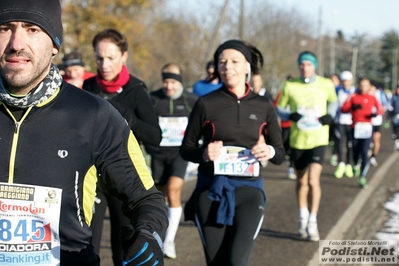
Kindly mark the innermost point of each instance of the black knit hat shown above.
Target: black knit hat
(43, 13)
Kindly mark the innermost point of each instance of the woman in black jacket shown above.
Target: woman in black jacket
(130, 97)
(240, 132)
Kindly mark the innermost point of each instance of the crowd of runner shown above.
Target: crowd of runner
(315, 114)
(85, 136)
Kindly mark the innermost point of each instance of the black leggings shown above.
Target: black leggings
(118, 219)
(344, 133)
(360, 150)
(230, 245)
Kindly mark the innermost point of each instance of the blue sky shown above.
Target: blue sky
(373, 17)
(362, 16)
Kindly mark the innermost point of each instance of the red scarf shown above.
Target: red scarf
(114, 85)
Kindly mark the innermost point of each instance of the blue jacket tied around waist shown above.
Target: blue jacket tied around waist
(222, 190)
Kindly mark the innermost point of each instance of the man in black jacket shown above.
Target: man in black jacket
(55, 140)
(173, 106)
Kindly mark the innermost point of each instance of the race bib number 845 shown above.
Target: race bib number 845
(29, 225)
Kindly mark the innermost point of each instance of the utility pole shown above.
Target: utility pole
(319, 44)
(355, 51)
(242, 21)
(394, 69)
(211, 45)
(332, 53)
(332, 43)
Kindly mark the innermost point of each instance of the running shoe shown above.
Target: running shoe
(313, 231)
(302, 225)
(333, 160)
(396, 148)
(363, 182)
(291, 173)
(356, 170)
(373, 161)
(339, 172)
(349, 171)
(169, 250)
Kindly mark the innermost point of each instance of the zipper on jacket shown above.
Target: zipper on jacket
(238, 111)
(14, 144)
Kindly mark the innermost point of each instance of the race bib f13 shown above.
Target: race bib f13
(236, 161)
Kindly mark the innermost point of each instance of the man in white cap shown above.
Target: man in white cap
(343, 127)
(57, 142)
(312, 101)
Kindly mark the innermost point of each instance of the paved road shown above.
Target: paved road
(346, 212)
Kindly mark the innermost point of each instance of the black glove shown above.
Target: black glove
(141, 247)
(356, 107)
(371, 115)
(295, 117)
(326, 119)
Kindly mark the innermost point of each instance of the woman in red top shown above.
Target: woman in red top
(130, 97)
(363, 108)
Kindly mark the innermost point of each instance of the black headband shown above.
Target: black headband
(73, 62)
(236, 45)
(168, 75)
